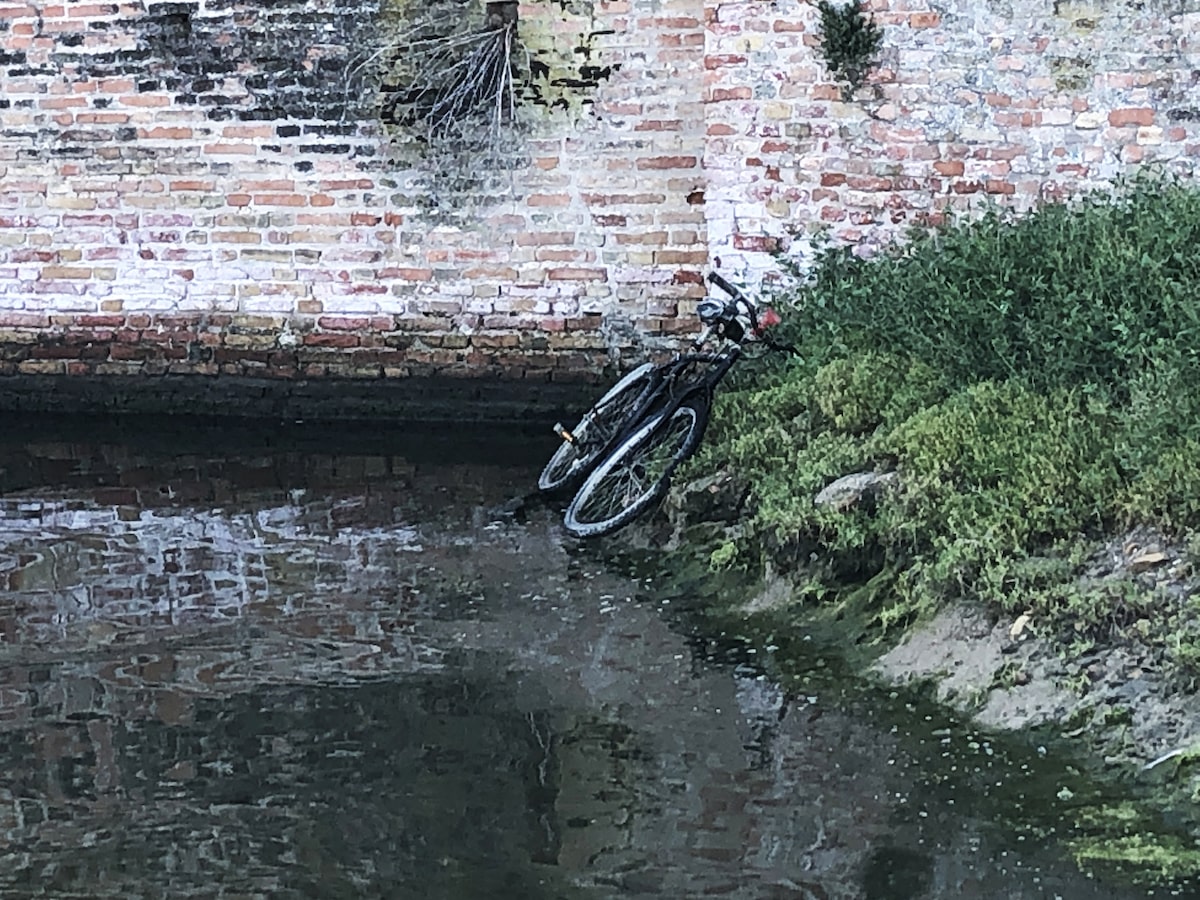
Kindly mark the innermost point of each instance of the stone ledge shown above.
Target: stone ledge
(418, 399)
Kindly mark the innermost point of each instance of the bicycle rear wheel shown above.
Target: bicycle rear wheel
(637, 473)
(595, 432)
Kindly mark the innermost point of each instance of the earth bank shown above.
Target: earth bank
(1109, 705)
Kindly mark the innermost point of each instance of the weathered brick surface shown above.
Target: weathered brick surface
(973, 103)
(185, 169)
(203, 188)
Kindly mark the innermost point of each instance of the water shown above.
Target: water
(341, 663)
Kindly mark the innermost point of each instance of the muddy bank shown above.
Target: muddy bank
(1109, 700)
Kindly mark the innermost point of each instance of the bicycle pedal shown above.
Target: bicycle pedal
(563, 433)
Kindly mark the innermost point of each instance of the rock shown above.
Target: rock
(852, 491)
(1147, 560)
(1019, 626)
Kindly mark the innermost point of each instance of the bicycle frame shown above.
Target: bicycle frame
(647, 399)
(668, 394)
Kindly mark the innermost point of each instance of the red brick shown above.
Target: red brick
(175, 133)
(406, 273)
(542, 255)
(667, 162)
(659, 125)
(756, 243)
(344, 323)
(868, 183)
(91, 10)
(719, 95)
(331, 340)
(1119, 118)
(283, 200)
(228, 148)
(275, 185)
(723, 60)
(577, 273)
(681, 23)
(154, 100)
(248, 131)
(949, 167)
(63, 102)
(541, 238)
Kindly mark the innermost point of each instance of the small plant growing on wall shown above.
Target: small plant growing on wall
(850, 43)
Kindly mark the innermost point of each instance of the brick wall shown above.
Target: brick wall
(204, 188)
(196, 188)
(1007, 101)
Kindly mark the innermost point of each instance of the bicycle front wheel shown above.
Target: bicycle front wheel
(637, 473)
(596, 430)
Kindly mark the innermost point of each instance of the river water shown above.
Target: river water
(306, 662)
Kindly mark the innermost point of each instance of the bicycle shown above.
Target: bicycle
(624, 451)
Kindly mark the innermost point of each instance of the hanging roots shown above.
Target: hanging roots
(458, 88)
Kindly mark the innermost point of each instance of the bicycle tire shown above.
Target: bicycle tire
(638, 472)
(594, 433)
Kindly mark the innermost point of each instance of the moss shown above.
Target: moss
(1141, 857)
(1071, 73)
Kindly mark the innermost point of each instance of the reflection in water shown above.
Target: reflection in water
(289, 670)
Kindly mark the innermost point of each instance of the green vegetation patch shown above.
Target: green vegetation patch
(1034, 381)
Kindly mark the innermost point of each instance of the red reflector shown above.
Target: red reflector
(767, 319)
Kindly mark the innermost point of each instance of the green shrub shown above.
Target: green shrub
(859, 394)
(1082, 293)
(1035, 380)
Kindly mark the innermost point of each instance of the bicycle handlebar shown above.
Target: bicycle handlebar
(725, 286)
(738, 298)
(741, 298)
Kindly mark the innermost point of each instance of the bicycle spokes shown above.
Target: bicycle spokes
(634, 476)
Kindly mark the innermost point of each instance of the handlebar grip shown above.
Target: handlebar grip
(725, 286)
